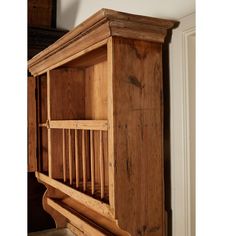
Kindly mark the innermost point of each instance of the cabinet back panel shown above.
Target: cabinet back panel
(67, 94)
(96, 91)
(43, 149)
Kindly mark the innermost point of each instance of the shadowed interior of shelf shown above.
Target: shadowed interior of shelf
(73, 111)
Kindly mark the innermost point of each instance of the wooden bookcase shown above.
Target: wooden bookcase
(99, 125)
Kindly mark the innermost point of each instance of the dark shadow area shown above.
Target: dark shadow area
(167, 158)
(38, 219)
(167, 132)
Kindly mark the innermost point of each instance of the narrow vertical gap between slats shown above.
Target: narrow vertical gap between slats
(101, 164)
(92, 161)
(76, 160)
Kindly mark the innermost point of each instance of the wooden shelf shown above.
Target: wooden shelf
(77, 124)
(84, 224)
(98, 206)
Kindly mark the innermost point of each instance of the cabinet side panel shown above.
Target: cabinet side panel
(42, 136)
(138, 136)
(32, 142)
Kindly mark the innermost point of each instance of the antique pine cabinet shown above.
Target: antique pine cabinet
(99, 125)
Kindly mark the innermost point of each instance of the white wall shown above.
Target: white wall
(72, 12)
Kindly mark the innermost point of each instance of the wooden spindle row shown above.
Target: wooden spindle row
(84, 162)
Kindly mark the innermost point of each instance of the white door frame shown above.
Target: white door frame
(182, 213)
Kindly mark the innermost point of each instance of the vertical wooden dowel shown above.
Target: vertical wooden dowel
(70, 157)
(49, 130)
(64, 154)
(84, 160)
(76, 159)
(49, 154)
(101, 164)
(92, 161)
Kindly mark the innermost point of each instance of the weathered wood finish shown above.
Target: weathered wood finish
(79, 124)
(138, 136)
(67, 94)
(100, 125)
(101, 25)
(87, 201)
(32, 126)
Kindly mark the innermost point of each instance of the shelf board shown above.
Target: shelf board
(84, 224)
(77, 124)
(83, 198)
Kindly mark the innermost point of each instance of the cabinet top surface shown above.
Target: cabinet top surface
(114, 23)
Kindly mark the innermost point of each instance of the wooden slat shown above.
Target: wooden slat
(49, 130)
(74, 229)
(102, 173)
(64, 155)
(48, 96)
(84, 160)
(75, 218)
(32, 125)
(107, 223)
(84, 199)
(70, 157)
(79, 124)
(76, 160)
(92, 161)
(110, 137)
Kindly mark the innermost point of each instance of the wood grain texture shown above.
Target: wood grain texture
(44, 63)
(92, 161)
(84, 161)
(75, 218)
(32, 124)
(64, 155)
(48, 119)
(70, 158)
(138, 135)
(76, 159)
(100, 26)
(42, 137)
(106, 223)
(106, 94)
(96, 91)
(79, 124)
(67, 94)
(101, 164)
(96, 205)
(110, 133)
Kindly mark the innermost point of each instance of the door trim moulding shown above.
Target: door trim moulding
(182, 224)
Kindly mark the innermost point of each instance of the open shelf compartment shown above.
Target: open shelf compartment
(73, 124)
